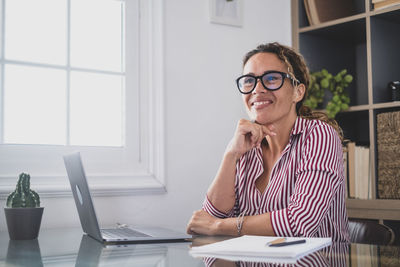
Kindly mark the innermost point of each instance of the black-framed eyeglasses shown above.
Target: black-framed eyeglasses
(271, 80)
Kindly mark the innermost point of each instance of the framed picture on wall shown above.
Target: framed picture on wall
(228, 12)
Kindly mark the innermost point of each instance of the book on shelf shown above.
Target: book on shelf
(363, 179)
(345, 169)
(319, 11)
(388, 146)
(385, 3)
(358, 171)
(351, 181)
(309, 17)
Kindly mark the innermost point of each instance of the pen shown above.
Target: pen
(283, 244)
(277, 241)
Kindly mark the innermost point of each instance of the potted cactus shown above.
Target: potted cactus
(23, 211)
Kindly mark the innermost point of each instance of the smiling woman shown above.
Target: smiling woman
(282, 172)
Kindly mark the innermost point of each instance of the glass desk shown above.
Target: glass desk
(69, 247)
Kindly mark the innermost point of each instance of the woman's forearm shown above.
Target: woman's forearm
(251, 225)
(248, 135)
(221, 192)
(203, 223)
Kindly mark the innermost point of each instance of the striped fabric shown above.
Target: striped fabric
(305, 195)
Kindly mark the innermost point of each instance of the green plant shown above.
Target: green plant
(23, 196)
(323, 80)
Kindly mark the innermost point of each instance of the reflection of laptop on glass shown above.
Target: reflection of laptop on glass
(87, 214)
(94, 254)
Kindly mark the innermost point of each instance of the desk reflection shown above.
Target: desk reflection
(93, 253)
(23, 253)
(68, 247)
(338, 254)
(334, 255)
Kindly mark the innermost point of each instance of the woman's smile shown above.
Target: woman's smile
(260, 104)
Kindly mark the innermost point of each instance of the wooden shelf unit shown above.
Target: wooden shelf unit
(367, 45)
(376, 209)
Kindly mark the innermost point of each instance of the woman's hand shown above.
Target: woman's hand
(203, 223)
(247, 136)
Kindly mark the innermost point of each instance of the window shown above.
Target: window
(63, 72)
(68, 84)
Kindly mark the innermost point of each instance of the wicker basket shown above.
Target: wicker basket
(388, 138)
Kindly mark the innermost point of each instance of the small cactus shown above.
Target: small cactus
(23, 196)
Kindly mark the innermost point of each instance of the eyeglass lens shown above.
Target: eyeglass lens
(271, 81)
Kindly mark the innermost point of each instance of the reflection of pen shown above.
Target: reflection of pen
(283, 244)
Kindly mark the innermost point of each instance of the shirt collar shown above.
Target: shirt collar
(298, 126)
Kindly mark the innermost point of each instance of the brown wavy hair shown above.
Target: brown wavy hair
(297, 68)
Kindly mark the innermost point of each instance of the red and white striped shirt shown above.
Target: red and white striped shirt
(305, 195)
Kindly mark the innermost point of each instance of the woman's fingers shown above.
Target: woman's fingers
(190, 232)
(201, 223)
(194, 222)
(259, 132)
(248, 135)
(255, 135)
(268, 130)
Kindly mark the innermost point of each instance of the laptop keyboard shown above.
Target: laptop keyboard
(122, 233)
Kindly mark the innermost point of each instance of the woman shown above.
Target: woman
(282, 172)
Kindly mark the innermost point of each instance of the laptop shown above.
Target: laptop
(88, 218)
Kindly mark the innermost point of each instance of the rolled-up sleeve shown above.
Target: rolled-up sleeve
(212, 210)
(318, 177)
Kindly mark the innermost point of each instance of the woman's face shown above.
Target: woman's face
(267, 107)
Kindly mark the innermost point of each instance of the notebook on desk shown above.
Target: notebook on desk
(88, 218)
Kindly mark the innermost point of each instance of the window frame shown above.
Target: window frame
(143, 168)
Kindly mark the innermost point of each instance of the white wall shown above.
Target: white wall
(202, 60)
